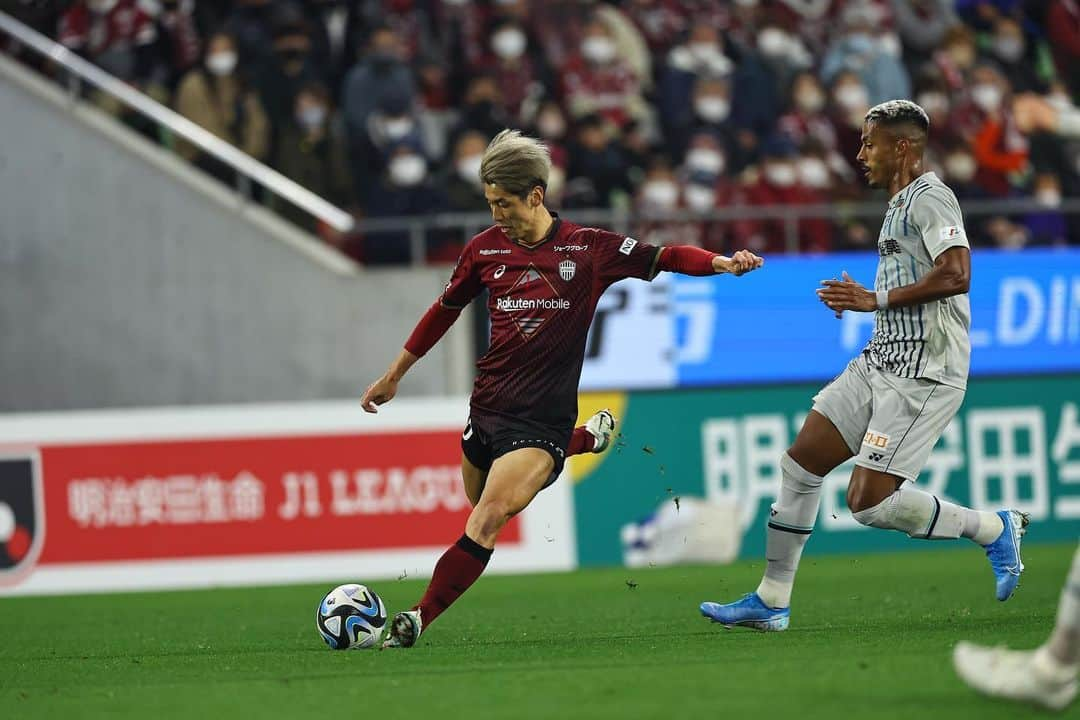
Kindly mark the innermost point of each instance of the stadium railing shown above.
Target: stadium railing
(249, 171)
(624, 221)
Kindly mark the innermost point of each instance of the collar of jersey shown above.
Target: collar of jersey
(555, 223)
(896, 198)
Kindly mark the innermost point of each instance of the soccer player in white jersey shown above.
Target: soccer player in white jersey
(1046, 676)
(893, 401)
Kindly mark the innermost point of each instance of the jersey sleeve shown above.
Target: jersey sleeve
(936, 215)
(619, 256)
(464, 284)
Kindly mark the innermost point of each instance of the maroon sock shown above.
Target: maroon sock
(457, 569)
(582, 441)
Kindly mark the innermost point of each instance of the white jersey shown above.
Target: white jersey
(922, 341)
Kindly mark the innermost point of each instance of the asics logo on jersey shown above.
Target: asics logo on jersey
(499, 272)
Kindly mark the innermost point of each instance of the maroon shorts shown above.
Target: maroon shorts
(488, 437)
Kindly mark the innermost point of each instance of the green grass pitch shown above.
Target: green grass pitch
(870, 638)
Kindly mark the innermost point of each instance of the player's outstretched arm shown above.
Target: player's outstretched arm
(690, 260)
(436, 321)
(951, 275)
(384, 389)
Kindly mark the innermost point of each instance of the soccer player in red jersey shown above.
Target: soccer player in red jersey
(544, 276)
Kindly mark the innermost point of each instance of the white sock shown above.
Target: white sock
(922, 515)
(790, 523)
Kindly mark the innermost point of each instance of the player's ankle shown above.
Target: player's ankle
(776, 594)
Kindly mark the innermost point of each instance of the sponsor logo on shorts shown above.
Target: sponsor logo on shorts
(876, 457)
(627, 246)
(876, 439)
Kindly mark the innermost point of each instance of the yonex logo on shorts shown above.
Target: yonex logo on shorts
(876, 457)
(876, 439)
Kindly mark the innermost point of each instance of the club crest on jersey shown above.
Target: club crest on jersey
(499, 272)
(567, 268)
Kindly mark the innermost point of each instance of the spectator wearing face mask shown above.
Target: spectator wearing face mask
(848, 103)
(656, 200)
(404, 189)
(933, 97)
(706, 186)
(596, 80)
(806, 116)
(380, 73)
(960, 168)
(710, 111)
(312, 153)
(216, 97)
(700, 57)
(1009, 48)
(783, 53)
(392, 124)
(999, 148)
(464, 190)
(1048, 226)
(858, 50)
(516, 66)
(778, 184)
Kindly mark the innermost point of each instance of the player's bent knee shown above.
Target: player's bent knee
(869, 488)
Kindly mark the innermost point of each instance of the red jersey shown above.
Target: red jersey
(541, 301)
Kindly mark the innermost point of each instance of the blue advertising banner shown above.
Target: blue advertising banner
(769, 326)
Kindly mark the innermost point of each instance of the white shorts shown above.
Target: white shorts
(890, 423)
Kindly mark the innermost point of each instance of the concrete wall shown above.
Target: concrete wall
(127, 278)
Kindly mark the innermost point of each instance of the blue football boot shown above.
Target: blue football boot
(749, 611)
(1004, 553)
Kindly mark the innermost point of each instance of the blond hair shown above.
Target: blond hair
(515, 163)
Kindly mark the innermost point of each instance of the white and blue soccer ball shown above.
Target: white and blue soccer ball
(351, 617)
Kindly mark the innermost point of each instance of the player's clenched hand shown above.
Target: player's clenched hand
(379, 392)
(743, 262)
(846, 294)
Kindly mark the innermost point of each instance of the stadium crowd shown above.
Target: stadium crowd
(384, 107)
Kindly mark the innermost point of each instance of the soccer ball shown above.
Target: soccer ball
(351, 617)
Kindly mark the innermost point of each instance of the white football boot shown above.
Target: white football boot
(601, 426)
(1030, 676)
(404, 630)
